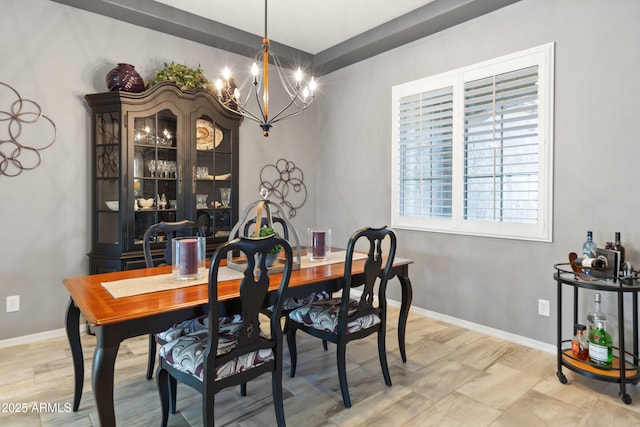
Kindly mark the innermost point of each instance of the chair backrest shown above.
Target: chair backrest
(254, 292)
(170, 230)
(377, 239)
(248, 227)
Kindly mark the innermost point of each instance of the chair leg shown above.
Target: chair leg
(276, 386)
(324, 345)
(208, 400)
(152, 356)
(162, 378)
(342, 373)
(173, 394)
(293, 351)
(243, 389)
(382, 354)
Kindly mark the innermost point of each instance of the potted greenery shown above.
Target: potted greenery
(184, 77)
(272, 255)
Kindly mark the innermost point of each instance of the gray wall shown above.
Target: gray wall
(56, 54)
(495, 282)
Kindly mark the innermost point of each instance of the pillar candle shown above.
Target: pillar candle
(188, 256)
(318, 244)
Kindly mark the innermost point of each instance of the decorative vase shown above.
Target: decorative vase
(271, 259)
(124, 77)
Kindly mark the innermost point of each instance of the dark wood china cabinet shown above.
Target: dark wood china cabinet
(159, 155)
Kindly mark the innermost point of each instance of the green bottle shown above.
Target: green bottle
(600, 346)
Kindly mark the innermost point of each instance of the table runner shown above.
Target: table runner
(163, 282)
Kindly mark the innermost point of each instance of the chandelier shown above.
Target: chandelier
(300, 95)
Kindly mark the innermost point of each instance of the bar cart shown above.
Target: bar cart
(625, 366)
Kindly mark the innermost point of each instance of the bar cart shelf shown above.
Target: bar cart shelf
(625, 367)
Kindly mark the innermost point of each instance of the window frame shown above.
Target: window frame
(542, 229)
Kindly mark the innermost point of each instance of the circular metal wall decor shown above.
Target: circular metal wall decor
(286, 182)
(22, 120)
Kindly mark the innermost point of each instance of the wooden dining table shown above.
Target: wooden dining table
(116, 319)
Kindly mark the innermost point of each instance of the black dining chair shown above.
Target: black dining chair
(343, 319)
(168, 230)
(233, 350)
(290, 303)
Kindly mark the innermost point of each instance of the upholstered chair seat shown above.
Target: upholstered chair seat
(323, 315)
(183, 328)
(186, 353)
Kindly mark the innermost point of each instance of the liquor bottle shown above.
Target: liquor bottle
(617, 246)
(580, 344)
(589, 248)
(600, 346)
(599, 263)
(596, 315)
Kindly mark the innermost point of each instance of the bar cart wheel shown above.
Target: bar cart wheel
(561, 377)
(626, 399)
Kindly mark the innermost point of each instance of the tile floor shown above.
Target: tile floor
(454, 377)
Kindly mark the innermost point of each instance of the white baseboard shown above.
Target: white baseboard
(497, 333)
(40, 336)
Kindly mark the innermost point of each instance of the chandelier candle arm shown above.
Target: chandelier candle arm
(231, 99)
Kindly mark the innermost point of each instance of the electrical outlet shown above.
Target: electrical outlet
(13, 303)
(544, 308)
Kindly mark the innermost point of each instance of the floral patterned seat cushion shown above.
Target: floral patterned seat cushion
(186, 353)
(323, 315)
(190, 326)
(292, 303)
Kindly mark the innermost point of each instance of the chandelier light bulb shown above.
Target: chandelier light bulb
(254, 70)
(226, 73)
(298, 75)
(312, 85)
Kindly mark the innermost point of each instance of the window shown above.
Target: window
(472, 149)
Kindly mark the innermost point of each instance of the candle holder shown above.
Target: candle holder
(189, 255)
(319, 244)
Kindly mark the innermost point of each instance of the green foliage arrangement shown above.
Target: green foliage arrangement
(268, 231)
(186, 78)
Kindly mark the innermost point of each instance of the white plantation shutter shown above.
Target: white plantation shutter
(472, 149)
(501, 147)
(426, 151)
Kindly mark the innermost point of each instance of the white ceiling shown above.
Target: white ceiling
(309, 25)
(325, 35)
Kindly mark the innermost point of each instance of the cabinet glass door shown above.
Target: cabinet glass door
(213, 178)
(107, 170)
(155, 171)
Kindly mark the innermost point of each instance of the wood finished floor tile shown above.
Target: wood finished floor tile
(538, 410)
(499, 387)
(454, 377)
(455, 410)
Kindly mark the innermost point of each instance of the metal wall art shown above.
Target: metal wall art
(285, 181)
(22, 120)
